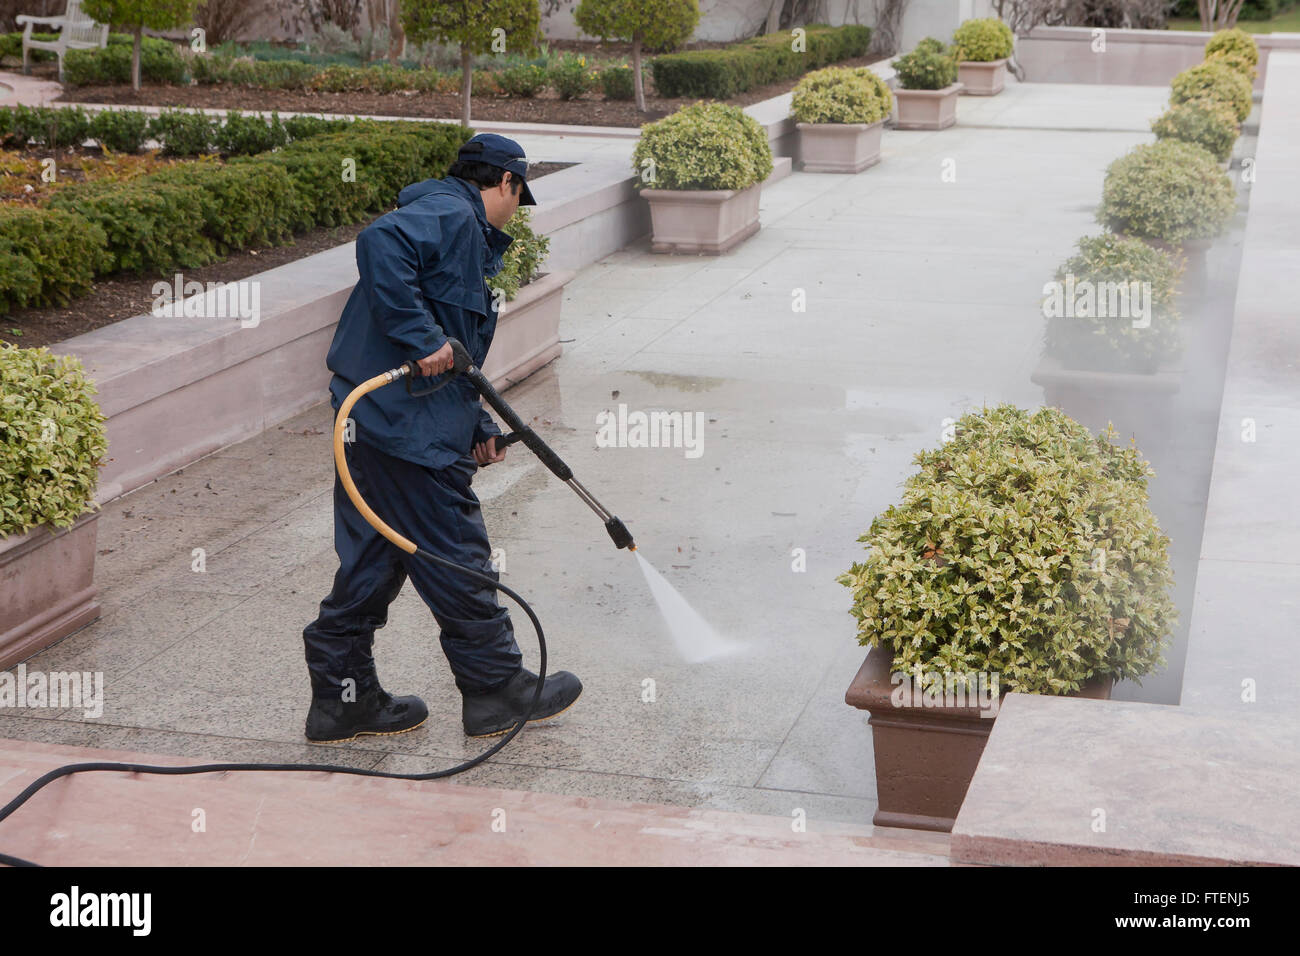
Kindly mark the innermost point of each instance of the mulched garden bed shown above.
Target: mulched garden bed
(125, 296)
(591, 109)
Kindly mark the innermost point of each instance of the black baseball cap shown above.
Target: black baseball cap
(503, 153)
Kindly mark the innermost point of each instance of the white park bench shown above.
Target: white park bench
(76, 32)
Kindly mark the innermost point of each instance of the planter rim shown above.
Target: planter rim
(529, 292)
(872, 688)
(14, 544)
(1052, 371)
(989, 64)
(946, 91)
(697, 195)
(855, 127)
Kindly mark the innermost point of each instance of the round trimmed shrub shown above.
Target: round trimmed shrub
(707, 145)
(1100, 334)
(1235, 41)
(1169, 191)
(983, 40)
(1203, 122)
(618, 83)
(1023, 547)
(841, 95)
(523, 79)
(1235, 61)
(1213, 80)
(931, 66)
(52, 440)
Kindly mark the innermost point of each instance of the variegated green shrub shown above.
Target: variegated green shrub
(1214, 80)
(1169, 191)
(841, 94)
(523, 257)
(702, 146)
(1204, 122)
(983, 40)
(1023, 547)
(52, 439)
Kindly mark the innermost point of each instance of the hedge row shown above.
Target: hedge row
(181, 133)
(185, 217)
(721, 74)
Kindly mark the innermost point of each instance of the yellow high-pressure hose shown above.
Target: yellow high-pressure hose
(340, 459)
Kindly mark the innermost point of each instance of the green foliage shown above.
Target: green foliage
(153, 14)
(242, 205)
(983, 40)
(570, 76)
(55, 127)
(1235, 41)
(617, 82)
(11, 46)
(304, 127)
(931, 66)
(523, 79)
(159, 63)
(1206, 123)
(1213, 80)
(703, 146)
(183, 133)
(122, 131)
(469, 23)
(1023, 547)
(47, 256)
(662, 25)
(721, 74)
(151, 226)
(841, 95)
(242, 135)
(523, 257)
(52, 440)
(1169, 190)
(1236, 61)
(1105, 338)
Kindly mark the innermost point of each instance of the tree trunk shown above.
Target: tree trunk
(637, 85)
(396, 35)
(773, 17)
(466, 76)
(135, 59)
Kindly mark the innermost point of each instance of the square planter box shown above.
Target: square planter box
(839, 147)
(47, 587)
(925, 756)
(708, 221)
(982, 79)
(927, 109)
(1136, 402)
(528, 331)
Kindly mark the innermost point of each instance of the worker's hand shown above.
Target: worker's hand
(485, 452)
(438, 362)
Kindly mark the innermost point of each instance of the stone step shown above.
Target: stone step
(114, 818)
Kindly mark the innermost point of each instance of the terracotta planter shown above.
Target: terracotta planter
(925, 756)
(47, 587)
(1194, 253)
(1136, 402)
(839, 147)
(528, 331)
(927, 109)
(708, 221)
(982, 79)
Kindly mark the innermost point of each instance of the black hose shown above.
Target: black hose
(72, 768)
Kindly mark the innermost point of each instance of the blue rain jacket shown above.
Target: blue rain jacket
(423, 271)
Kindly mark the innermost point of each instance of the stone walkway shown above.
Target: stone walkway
(922, 278)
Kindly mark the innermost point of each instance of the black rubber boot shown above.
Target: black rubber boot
(331, 721)
(497, 711)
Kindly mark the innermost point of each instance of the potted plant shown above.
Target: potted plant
(1022, 557)
(52, 443)
(1207, 123)
(983, 47)
(840, 112)
(528, 313)
(1113, 333)
(1213, 80)
(1172, 195)
(1234, 48)
(928, 87)
(701, 170)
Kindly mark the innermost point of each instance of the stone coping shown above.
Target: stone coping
(1213, 780)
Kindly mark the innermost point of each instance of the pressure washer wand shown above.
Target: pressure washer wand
(462, 364)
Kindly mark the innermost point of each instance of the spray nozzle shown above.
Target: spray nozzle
(618, 531)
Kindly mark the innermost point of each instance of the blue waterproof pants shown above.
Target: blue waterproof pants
(436, 509)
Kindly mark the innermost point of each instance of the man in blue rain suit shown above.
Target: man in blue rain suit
(423, 271)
